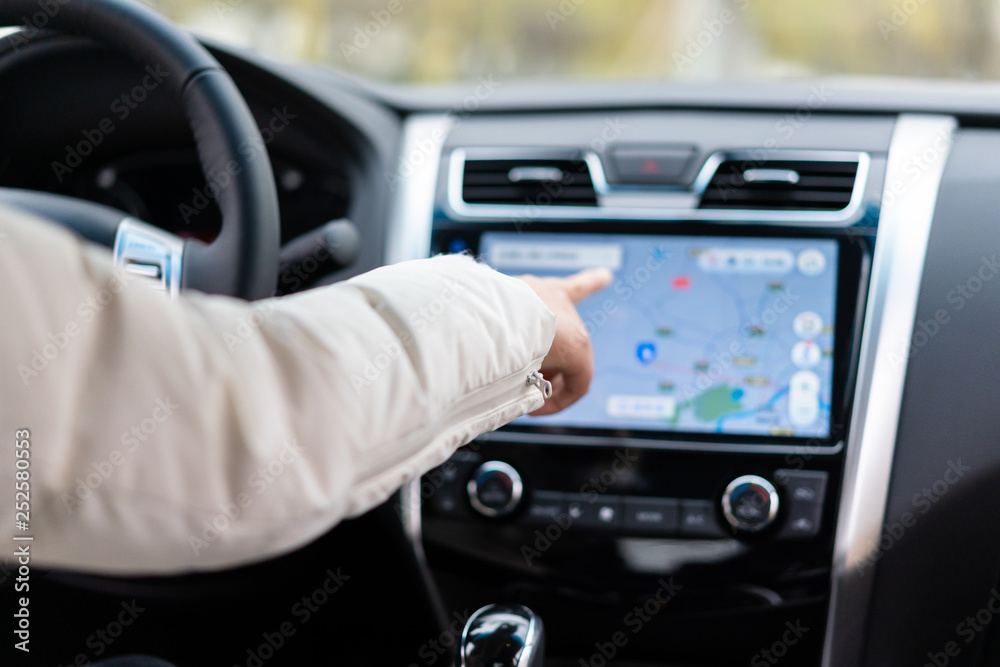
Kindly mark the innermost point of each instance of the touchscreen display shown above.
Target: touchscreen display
(724, 335)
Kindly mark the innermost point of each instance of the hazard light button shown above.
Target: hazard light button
(651, 166)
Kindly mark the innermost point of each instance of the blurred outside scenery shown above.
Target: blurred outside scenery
(448, 40)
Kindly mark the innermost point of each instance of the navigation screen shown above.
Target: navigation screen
(722, 335)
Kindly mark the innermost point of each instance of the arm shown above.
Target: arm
(207, 432)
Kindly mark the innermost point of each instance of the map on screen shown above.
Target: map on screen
(724, 335)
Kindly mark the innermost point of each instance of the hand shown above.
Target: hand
(569, 365)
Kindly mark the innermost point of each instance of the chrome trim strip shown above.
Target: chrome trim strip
(408, 236)
(411, 209)
(411, 214)
(654, 202)
(139, 243)
(668, 445)
(410, 504)
(909, 198)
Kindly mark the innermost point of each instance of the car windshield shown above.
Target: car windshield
(703, 40)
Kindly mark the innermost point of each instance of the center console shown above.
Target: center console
(708, 448)
(696, 489)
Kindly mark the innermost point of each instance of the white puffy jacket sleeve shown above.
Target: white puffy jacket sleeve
(206, 432)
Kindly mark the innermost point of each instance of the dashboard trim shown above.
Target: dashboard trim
(655, 203)
(410, 217)
(909, 199)
(667, 445)
(411, 211)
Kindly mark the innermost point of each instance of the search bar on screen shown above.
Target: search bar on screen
(554, 256)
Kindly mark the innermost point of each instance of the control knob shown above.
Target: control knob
(750, 504)
(495, 489)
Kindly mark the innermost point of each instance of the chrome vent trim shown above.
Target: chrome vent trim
(794, 185)
(643, 202)
(528, 181)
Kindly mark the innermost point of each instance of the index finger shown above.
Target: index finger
(581, 285)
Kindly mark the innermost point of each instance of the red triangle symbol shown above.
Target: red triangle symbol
(650, 166)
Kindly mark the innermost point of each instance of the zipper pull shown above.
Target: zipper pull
(544, 386)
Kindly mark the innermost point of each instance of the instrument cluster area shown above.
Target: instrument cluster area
(127, 145)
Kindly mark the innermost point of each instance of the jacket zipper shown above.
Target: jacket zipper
(535, 378)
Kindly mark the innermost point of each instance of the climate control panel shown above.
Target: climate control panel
(780, 503)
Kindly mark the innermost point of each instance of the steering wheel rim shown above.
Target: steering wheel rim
(243, 260)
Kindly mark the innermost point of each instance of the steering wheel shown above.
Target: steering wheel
(243, 259)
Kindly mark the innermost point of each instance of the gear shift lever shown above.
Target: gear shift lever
(501, 635)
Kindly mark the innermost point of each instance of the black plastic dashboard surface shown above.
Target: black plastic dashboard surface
(936, 562)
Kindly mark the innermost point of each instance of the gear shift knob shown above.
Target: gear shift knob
(501, 635)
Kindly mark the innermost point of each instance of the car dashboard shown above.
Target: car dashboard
(789, 448)
(727, 480)
(709, 451)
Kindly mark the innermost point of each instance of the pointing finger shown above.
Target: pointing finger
(581, 285)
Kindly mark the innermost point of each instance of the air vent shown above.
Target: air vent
(799, 185)
(537, 182)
